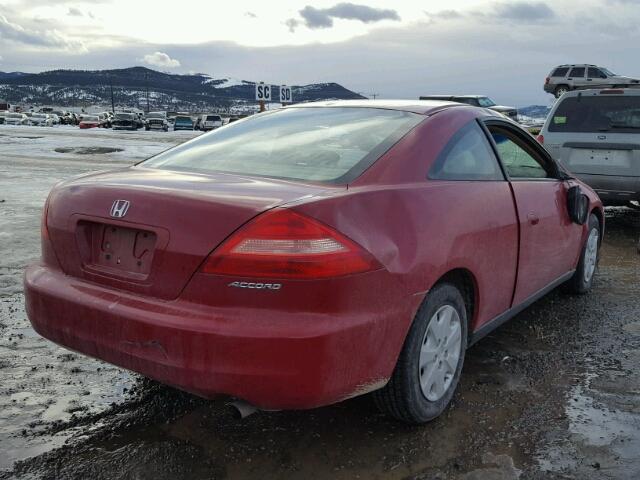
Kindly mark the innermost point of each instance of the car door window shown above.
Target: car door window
(577, 72)
(518, 160)
(595, 73)
(467, 156)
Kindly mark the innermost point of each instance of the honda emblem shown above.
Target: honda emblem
(119, 208)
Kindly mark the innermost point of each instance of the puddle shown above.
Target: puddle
(88, 150)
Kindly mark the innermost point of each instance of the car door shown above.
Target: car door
(596, 78)
(576, 78)
(549, 240)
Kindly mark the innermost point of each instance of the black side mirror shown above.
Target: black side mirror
(577, 205)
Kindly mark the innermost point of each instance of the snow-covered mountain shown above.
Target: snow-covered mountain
(130, 86)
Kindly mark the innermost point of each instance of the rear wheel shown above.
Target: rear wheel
(561, 90)
(428, 369)
(583, 278)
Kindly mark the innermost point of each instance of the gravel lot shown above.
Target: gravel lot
(554, 394)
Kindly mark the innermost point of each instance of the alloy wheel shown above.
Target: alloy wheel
(440, 353)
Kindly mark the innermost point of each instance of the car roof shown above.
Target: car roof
(424, 107)
(594, 92)
(577, 65)
(453, 96)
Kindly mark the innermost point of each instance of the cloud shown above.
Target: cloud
(524, 11)
(250, 15)
(292, 24)
(47, 38)
(323, 17)
(74, 12)
(160, 59)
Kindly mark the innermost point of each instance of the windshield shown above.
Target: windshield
(604, 113)
(608, 72)
(184, 120)
(90, 118)
(324, 144)
(124, 116)
(155, 115)
(486, 102)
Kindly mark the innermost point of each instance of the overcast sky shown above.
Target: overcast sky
(396, 49)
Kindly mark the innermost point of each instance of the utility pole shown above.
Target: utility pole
(146, 78)
(113, 105)
(375, 95)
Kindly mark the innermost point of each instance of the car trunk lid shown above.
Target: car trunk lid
(147, 231)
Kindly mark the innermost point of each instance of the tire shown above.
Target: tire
(561, 90)
(403, 397)
(582, 280)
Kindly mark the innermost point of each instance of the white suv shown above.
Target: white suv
(596, 135)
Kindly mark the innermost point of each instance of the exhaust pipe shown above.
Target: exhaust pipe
(241, 409)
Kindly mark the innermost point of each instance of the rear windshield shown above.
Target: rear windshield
(604, 113)
(184, 120)
(89, 118)
(124, 116)
(323, 144)
(213, 118)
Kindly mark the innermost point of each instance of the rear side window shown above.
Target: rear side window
(560, 72)
(467, 156)
(322, 144)
(518, 161)
(603, 113)
(577, 72)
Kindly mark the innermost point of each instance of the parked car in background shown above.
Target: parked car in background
(156, 121)
(90, 121)
(596, 135)
(41, 120)
(2, 115)
(565, 78)
(286, 263)
(183, 122)
(105, 119)
(14, 118)
(210, 122)
(476, 101)
(125, 121)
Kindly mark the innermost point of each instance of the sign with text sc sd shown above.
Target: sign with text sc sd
(263, 92)
(285, 94)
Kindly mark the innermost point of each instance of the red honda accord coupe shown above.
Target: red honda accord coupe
(314, 253)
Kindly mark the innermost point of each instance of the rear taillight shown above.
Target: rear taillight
(540, 139)
(547, 80)
(285, 244)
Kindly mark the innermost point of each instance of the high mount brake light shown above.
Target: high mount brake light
(284, 244)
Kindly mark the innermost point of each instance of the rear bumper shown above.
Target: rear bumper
(612, 189)
(277, 360)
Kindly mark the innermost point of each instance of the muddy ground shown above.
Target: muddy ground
(553, 394)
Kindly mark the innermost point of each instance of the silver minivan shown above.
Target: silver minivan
(596, 135)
